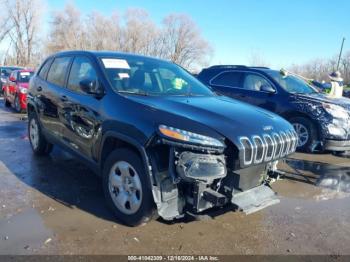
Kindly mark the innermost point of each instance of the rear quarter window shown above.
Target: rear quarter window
(58, 71)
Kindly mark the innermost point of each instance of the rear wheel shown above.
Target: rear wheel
(307, 133)
(39, 144)
(125, 184)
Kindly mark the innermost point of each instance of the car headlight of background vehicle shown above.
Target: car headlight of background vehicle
(336, 130)
(23, 90)
(336, 111)
(190, 137)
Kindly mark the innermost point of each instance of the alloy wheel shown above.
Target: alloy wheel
(303, 134)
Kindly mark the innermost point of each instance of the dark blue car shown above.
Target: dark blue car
(322, 123)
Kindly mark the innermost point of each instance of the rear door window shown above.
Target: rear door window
(58, 71)
(228, 79)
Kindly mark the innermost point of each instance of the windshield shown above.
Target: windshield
(144, 76)
(292, 84)
(24, 77)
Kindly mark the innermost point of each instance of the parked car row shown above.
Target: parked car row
(15, 91)
(14, 87)
(5, 72)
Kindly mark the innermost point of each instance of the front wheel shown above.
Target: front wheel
(7, 103)
(307, 133)
(126, 188)
(18, 105)
(39, 144)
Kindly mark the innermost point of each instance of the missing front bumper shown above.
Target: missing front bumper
(255, 199)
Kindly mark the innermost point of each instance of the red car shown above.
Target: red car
(15, 90)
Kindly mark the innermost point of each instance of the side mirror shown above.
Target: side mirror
(12, 79)
(91, 87)
(267, 88)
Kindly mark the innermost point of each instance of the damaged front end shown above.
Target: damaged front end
(333, 122)
(192, 178)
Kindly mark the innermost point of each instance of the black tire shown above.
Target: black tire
(307, 146)
(7, 103)
(17, 105)
(146, 210)
(40, 147)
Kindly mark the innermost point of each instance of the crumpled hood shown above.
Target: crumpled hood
(228, 117)
(323, 98)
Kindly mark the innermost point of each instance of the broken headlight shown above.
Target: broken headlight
(201, 166)
(336, 130)
(336, 111)
(186, 136)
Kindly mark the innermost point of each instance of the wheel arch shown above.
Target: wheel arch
(31, 108)
(293, 114)
(112, 140)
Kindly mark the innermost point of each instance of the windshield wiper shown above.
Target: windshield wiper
(133, 93)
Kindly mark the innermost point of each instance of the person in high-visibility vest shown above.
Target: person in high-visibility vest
(337, 85)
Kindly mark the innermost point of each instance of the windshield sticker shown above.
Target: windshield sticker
(123, 75)
(25, 74)
(178, 83)
(115, 63)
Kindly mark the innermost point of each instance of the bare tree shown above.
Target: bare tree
(5, 25)
(319, 69)
(103, 33)
(182, 43)
(139, 33)
(67, 30)
(177, 39)
(23, 28)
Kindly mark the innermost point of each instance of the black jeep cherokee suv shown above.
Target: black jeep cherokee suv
(322, 123)
(160, 139)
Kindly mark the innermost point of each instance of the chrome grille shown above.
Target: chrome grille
(267, 147)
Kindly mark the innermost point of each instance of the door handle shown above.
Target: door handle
(39, 89)
(64, 98)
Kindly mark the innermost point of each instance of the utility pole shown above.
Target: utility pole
(341, 51)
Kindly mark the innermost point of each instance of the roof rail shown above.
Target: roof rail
(260, 67)
(227, 66)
